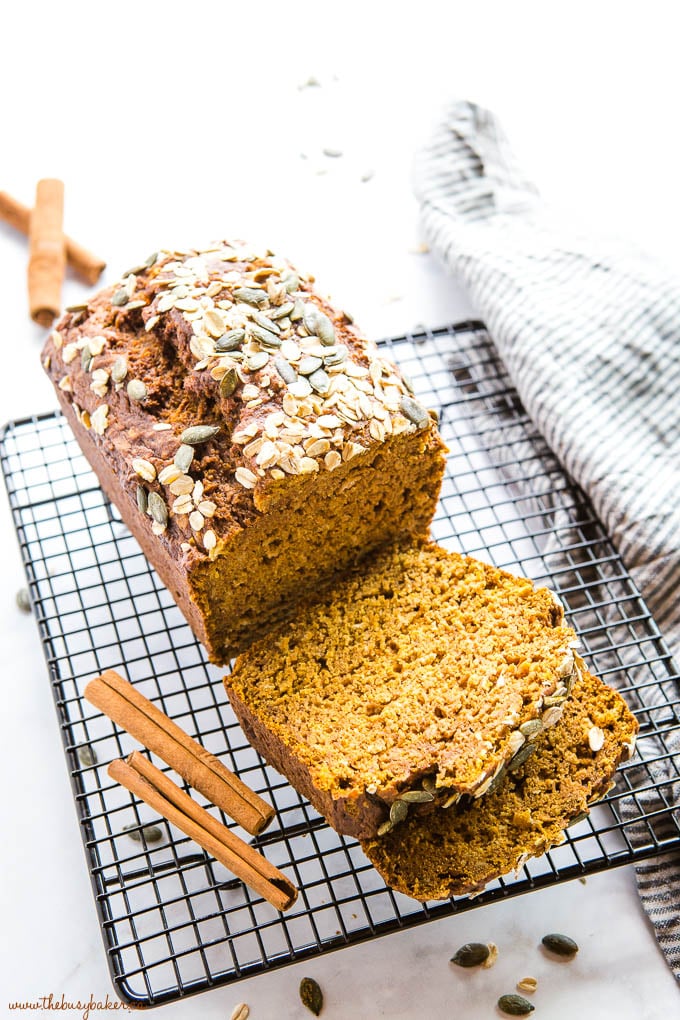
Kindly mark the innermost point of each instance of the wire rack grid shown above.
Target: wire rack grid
(173, 920)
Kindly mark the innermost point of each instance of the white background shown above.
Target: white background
(177, 123)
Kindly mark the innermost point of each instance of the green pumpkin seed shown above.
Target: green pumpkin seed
(472, 954)
(263, 336)
(121, 297)
(136, 390)
(335, 355)
(417, 797)
(229, 382)
(415, 412)
(429, 784)
(251, 296)
(522, 755)
(561, 945)
(142, 499)
(298, 311)
(256, 361)
(580, 817)
(86, 359)
(398, 812)
(265, 322)
(311, 995)
(151, 260)
(290, 281)
(515, 1005)
(231, 340)
(283, 311)
(87, 756)
(385, 827)
(320, 382)
(309, 364)
(197, 434)
(319, 325)
(147, 834)
(184, 457)
(531, 727)
(119, 369)
(23, 601)
(157, 508)
(285, 370)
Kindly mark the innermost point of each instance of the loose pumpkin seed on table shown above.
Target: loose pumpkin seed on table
(560, 945)
(472, 954)
(23, 601)
(311, 995)
(147, 833)
(515, 1005)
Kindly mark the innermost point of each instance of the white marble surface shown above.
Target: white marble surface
(172, 123)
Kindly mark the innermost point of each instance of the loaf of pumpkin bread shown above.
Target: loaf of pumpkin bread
(463, 849)
(414, 682)
(254, 442)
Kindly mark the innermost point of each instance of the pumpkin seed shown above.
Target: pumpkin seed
(320, 382)
(150, 261)
(251, 296)
(121, 297)
(560, 945)
(298, 311)
(136, 390)
(429, 784)
(531, 727)
(142, 499)
(515, 1005)
(471, 954)
(148, 833)
(309, 364)
(417, 797)
(415, 412)
(23, 601)
(86, 359)
(231, 340)
(285, 370)
(119, 369)
(311, 995)
(319, 325)
(398, 812)
(184, 457)
(87, 756)
(580, 817)
(229, 382)
(157, 508)
(265, 322)
(522, 755)
(256, 361)
(283, 311)
(335, 355)
(385, 828)
(197, 434)
(263, 336)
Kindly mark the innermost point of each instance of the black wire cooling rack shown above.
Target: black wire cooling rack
(174, 921)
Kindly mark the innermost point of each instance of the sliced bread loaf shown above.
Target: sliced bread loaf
(413, 682)
(461, 850)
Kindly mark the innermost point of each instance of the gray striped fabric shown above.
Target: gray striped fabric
(589, 330)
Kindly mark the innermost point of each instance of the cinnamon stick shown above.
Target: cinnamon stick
(88, 266)
(134, 713)
(145, 781)
(46, 259)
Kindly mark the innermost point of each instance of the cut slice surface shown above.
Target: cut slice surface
(422, 670)
(459, 851)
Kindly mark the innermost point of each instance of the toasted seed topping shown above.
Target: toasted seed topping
(398, 812)
(285, 369)
(157, 508)
(136, 390)
(595, 738)
(231, 340)
(251, 296)
(197, 434)
(142, 498)
(417, 797)
(184, 457)
(229, 382)
(144, 468)
(414, 411)
(121, 297)
(119, 369)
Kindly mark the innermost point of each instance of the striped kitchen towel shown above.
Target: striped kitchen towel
(589, 330)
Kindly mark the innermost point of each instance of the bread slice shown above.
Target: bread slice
(413, 682)
(254, 441)
(461, 850)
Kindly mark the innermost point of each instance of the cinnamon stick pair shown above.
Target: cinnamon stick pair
(50, 249)
(145, 781)
(134, 713)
